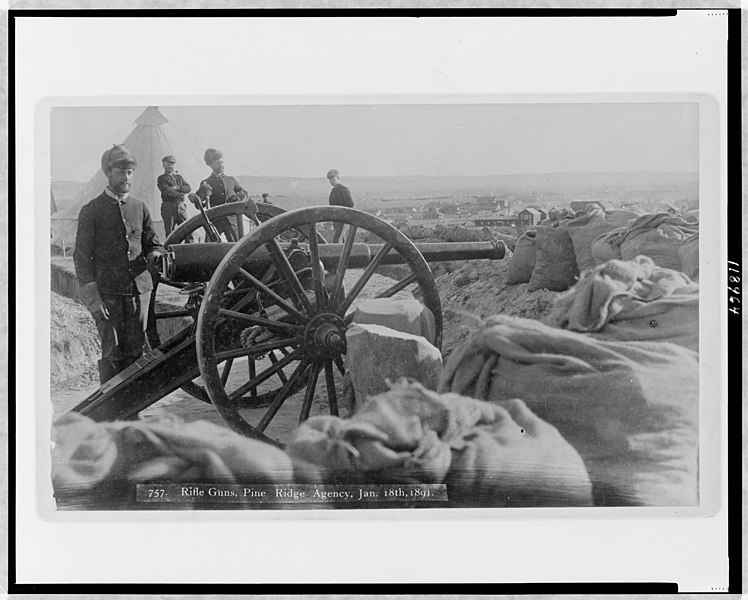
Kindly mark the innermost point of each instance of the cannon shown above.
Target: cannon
(267, 316)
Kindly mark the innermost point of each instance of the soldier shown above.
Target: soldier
(173, 187)
(219, 189)
(339, 196)
(115, 244)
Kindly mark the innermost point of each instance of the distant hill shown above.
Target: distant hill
(293, 192)
(300, 191)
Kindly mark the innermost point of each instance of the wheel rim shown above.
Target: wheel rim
(312, 325)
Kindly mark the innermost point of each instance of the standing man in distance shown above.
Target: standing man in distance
(115, 244)
(340, 195)
(219, 189)
(173, 187)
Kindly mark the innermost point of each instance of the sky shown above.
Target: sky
(402, 139)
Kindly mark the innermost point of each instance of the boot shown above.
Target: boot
(108, 369)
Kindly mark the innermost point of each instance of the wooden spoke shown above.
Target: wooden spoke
(398, 287)
(330, 384)
(266, 290)
(286, 270)
(311, 386)
(339, 365)
(226, 371)
(364, 279)
(282, 395)
(266, 374)
(342, 266)
(257, 348)
(252, 369)
(274, 359)
(317, 274)
(259, 321)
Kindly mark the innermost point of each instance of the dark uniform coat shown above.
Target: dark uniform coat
(112, 244)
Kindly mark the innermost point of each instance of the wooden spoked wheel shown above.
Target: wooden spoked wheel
(235, 212)
(304, 314)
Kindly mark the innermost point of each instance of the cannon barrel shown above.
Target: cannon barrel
(198, 262)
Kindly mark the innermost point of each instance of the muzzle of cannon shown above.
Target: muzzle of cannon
(198, 262)
(269, 313)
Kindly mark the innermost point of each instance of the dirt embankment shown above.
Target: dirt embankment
(74, 341)
(478, 290)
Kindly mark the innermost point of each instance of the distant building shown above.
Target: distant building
(496, 221)
(581, 205)
(542, 211)
(528, 217)
(431, 213)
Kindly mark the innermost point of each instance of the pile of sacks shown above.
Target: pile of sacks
(554, 254)
(614, 369)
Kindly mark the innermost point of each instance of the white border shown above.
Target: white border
(437, 59)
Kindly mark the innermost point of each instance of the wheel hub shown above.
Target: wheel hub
(324, 336)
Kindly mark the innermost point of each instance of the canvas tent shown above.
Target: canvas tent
(152, 138)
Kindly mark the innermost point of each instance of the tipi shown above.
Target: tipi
(152, 139)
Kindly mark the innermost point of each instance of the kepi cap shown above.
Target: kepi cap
(212, 154)
(168, 159)
(118, 156)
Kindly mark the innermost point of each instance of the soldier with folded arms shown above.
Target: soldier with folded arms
(173, 187)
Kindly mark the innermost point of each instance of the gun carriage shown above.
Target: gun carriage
(266, 317)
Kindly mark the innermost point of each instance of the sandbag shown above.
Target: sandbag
(634, 300)
(688, 252)
(555, 262)
(629, 408)
(607, 246)
(87, 453)
(491, 455)
(586, 227)
(522, 262)
(658, 236)
(558, 215)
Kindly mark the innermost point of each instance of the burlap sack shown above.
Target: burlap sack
(658, 236)
(585, 228)
(555, 262)
(487, 454)
(522, 262)
(167, 449)
(629, 408)
(632, 301)
(607, 246)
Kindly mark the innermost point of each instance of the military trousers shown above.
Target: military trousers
(123, 333)
(174, 214)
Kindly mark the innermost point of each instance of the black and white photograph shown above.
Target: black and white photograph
(357, 293)
(489, 305)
